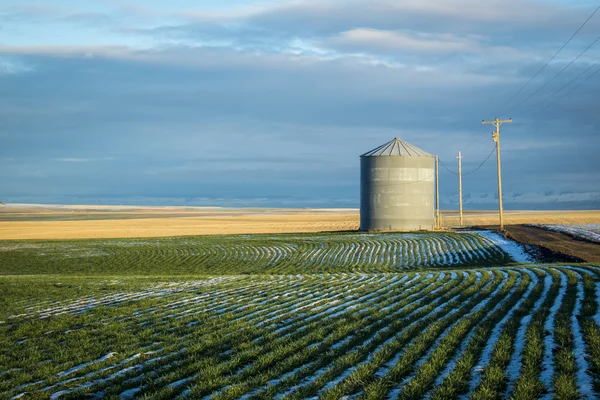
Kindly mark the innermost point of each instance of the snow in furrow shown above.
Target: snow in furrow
(427, 247)
(440, 257)
(92, 374)
(349, 259)
(478, 244)
(305, 382)
(584, 381)
(515, 250)
(394, 254)
(344, 306)
(332, 307)
(580, 231)
(595, 272)
(274, 382)
(597, 315)
(349, 305)
(301, 305)
(81, 305)
(84, 365)
(418, 252)
(463, 246)
(372, 355)
(547, 363)
(427, 355)
(513, 369)
(250, 365)
(491, 343)
(367, 341)
(390, 364)
(418, 293)
(449, 248)
(130, 393)
(452, 363)
(339, 250)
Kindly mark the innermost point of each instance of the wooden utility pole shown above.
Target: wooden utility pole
(460, 198)
(496, 136)
(438, 220)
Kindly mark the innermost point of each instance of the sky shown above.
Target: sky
(248, 102)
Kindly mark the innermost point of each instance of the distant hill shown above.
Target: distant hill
(474, 201)
(526, 201)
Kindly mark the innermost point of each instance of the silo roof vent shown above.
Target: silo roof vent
(397, 147)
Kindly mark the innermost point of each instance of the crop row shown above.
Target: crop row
(278, 254)
(481, 333)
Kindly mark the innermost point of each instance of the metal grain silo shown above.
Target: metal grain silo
(397, 188)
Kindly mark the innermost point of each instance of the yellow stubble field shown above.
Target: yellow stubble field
(85, 222)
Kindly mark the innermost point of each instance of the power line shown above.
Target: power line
(564, 86)
(481, 165)
(555, 76)
(567, 92)
(447, 169)
(471, 142)
(549, 61)
(474, 170)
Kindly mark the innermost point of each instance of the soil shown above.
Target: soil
(555, 246)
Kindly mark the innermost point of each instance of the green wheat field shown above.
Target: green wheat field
(328, 316)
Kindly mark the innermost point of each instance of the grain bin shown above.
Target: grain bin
(397, 188)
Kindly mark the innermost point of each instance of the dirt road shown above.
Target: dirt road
(555, 242)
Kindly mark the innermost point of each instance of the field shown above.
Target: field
(560, 243)
(589, 232)
(338, 315)
(87, 222)
(246, 254)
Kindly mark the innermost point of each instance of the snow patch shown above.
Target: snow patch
(515, 250)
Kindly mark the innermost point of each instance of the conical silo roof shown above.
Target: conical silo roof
(397, 147)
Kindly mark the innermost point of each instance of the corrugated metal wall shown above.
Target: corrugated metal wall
(397, 193)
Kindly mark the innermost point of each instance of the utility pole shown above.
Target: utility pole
(438, 220)
(496, 136)
(460, 198)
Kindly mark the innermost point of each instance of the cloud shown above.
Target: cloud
(62, 50)
(279, 100)
(91, 19)
(398, 40)
(14, 66)
(72, 160)
(33, 12)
